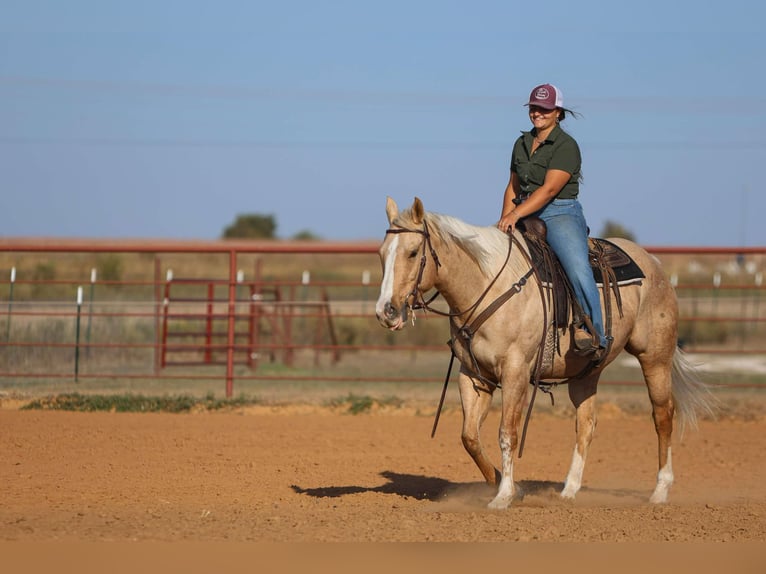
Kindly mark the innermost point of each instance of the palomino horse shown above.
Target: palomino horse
(475, 267)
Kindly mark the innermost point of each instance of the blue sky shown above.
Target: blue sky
(167, 119)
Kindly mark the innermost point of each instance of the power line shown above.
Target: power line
(692, 145)
(659, 104)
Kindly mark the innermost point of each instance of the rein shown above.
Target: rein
(426, 305)
(467, 331)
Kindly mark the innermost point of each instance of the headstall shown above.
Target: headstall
(417, 297)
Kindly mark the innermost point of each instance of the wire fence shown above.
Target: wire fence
(112, 314)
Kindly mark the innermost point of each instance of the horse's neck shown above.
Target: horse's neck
(464, 285)
(461, 282)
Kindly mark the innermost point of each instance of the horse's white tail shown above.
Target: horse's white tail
(692, 396)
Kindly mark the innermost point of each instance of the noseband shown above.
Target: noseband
(417, 297)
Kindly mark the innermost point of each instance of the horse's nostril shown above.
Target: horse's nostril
(390, 311)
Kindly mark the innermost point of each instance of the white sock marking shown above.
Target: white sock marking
(664, 482)
(574, 477)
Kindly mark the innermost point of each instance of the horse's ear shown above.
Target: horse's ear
(392, 210)
(417, 211)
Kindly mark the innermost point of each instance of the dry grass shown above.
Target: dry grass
(413, 376)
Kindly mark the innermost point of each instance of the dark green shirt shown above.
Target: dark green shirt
(559, 151)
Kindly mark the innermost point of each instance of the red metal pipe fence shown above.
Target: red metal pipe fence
(233, 321)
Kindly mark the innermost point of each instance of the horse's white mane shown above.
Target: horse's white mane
(488, 246)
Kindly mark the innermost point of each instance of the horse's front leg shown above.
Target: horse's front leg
(514, 393)
(476, 398)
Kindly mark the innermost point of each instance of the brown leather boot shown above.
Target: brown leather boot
(584, 342)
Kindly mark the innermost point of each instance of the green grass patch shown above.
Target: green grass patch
(130, 403)
(358, 404)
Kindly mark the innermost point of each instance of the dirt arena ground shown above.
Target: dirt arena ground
(313, 475)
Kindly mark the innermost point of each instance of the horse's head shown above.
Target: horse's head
(408, 270)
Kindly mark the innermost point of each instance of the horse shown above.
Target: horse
(478, 271)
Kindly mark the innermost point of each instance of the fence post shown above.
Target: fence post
(289, 314)
(301, 309)
(165, 311)
(231, 321)
(757, 302)
(365, 285)
(156, 307)
(77, 336)
(716, 288)
(90, 310)
(254, 323)
(10, 305)
(209, 323)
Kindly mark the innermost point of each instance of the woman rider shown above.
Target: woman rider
(545, 181)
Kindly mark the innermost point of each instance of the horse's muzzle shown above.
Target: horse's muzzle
(393, 318)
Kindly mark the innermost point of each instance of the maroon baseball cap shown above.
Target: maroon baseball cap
(546, 96)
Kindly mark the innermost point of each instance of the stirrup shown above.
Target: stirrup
(601, 353)
(583, 342)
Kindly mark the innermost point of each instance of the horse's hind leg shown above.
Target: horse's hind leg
(476, 398)
(583, 397)
(658, 381)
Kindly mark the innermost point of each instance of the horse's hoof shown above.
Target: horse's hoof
(661, 491)
(659, 498)
(500, 503)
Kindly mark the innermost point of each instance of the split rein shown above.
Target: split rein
(418, 302)
(467, 330)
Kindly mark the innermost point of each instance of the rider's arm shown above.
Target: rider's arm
(555, 180)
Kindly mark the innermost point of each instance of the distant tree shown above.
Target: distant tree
(613, 229)
(306, 235)
(251, 226)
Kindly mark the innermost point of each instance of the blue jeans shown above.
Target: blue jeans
(568, 237)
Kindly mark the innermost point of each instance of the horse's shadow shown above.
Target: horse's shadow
(405, 485)
(438, 489)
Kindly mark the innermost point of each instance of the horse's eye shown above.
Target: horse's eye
(413, 254)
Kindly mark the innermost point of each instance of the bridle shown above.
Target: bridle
(415, 294)
(418, 302)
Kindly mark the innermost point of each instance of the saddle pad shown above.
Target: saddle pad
(625, 269)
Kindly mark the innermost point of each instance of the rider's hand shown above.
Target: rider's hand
(508, 221)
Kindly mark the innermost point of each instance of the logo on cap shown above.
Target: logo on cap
(546, 96)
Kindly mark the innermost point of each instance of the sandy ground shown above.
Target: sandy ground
(286, 475)
(273, 485)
